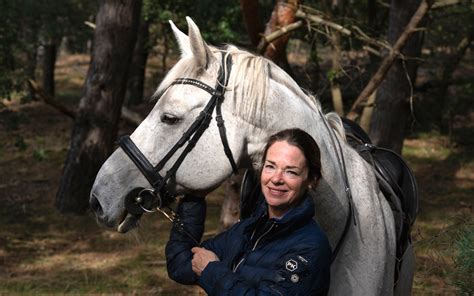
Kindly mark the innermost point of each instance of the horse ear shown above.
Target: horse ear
(201, 51)
(183, 41)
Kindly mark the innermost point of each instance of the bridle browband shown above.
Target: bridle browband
(143, 200)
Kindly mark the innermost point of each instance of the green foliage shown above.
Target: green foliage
(463, 277)
(40, 154)
(27, 24)
(218, 23)
(66, 19)
(8, 41)
(333, 74)
(449, 25)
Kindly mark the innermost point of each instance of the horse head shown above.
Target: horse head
(183, 96)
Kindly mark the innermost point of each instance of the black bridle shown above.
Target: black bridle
(142, 200)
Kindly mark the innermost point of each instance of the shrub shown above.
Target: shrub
(463, 276)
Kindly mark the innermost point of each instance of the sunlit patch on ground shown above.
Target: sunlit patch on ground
(446, 181)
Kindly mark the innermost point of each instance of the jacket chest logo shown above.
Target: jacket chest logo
(291, 265)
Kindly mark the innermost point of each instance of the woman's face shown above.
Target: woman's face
(284, 177)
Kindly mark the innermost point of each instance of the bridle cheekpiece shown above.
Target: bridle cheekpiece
(141, 200)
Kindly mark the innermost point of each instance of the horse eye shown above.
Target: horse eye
(169, 119)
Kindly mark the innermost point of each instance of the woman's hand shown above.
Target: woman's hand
(201, 258)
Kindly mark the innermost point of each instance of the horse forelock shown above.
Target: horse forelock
(184, 68)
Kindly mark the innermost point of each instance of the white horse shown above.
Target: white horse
(260, 99)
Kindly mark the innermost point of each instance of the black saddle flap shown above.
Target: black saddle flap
(389, 165)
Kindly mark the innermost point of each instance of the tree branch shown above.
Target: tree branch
(253, 24)
(48, 100)
(319, 20)
(127, 114)
(444, 3)
(375, 81)
(277, 34)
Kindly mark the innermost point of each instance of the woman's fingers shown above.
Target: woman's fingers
(201, 258)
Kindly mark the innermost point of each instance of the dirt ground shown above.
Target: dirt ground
(42, 251)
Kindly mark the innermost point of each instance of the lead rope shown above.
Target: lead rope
(174, 219)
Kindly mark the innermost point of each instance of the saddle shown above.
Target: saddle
(395, 179)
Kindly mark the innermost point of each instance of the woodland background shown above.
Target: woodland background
(403, 69)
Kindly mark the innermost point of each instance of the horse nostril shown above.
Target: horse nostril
(95, 206)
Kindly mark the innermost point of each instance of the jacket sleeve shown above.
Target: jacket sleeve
(300, 272)
(192, 213)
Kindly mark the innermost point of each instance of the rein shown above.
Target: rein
(142, 200)
(342, 166)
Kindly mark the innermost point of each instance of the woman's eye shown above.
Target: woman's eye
(292, 173)
(169, 119)
(268, 167)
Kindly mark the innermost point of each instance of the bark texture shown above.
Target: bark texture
(283, 14)
(136, 81)
(95, 128)
(445, 79)
(49, 62)
(253, 24)
(392, 103)
(230, 211)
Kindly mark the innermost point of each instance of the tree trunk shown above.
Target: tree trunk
(95, 127)
(282, 15)
(136, 80)
(230, 211)
(445, 79)
(31, 69)
(336, 69)
(336, 9)
(253, 24)
(366, 116)
(49, 62)
(392, 107)
(371, 14)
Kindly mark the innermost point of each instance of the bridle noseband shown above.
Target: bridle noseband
(142, 200)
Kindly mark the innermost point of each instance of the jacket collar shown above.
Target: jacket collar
(301, 213)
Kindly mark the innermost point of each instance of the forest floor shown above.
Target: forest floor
(43, 251)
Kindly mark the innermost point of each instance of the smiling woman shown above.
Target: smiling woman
(291, 163)
(279, 250)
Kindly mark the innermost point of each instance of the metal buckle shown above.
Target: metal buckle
(140, 197)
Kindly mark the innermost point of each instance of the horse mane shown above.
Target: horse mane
(249, 82)
(336, 123)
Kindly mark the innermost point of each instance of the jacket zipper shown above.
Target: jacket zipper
(237, 266)
(253, 249)
(265, 233)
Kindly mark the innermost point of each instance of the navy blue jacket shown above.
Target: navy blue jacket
(258, 256)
